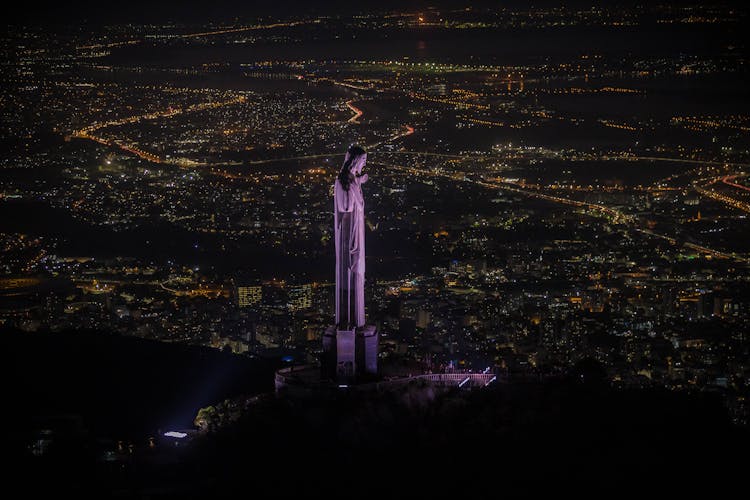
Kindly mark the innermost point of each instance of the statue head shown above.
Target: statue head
(354, 162)
(356, 157)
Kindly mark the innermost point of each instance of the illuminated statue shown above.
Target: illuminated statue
(350, 346)
(349, 223)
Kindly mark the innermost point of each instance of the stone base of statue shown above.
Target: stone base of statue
(349, 355)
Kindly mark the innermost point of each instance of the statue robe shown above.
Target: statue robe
(349, 223)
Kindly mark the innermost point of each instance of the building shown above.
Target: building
(300, 297)
(249, 295)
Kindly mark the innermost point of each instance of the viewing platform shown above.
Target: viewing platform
(307, 380)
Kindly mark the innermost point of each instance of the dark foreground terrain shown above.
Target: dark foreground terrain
(574, 435)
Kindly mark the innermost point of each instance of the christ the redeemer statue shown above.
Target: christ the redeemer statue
(349, 224)
(350, 346)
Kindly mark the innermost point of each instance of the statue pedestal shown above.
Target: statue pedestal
(348, 354)
(367, 350)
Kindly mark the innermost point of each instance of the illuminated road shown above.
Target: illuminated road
(451, 102)
(427, 153)
(625, 221)
(193, 289)
(237, 30)
(88, 132)
(728, 181)
(706, 190)
(294, 158)
(357, 112)
(618, 217)
(169, 112)
(197, 35)
(408, 130)
(676, 160)
(108, 45)
(370, 153)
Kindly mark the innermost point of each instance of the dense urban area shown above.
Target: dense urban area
(546, 186)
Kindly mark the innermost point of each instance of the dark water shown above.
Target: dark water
(660, 97)
(458, 46)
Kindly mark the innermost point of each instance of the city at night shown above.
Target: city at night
(489, 249)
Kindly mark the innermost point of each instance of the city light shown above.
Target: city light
(341, 245)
